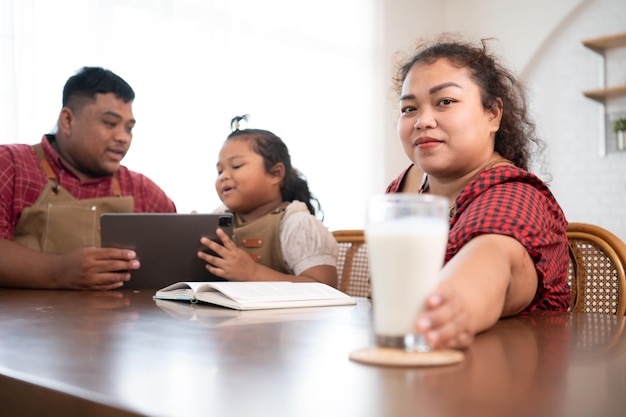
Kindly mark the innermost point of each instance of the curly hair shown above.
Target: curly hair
(516, 139)
(273, 150)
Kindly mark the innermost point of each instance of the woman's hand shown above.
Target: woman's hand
(446, 321)
(492, 276)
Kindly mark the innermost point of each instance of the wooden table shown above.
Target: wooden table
(65, 353)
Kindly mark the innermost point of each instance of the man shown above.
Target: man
(52, 194)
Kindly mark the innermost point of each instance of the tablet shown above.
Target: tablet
(166, 244)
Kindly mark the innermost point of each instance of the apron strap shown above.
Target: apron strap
(115, 184)
(47, 169)
(115, 187)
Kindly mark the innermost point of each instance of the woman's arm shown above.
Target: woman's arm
(492, 276)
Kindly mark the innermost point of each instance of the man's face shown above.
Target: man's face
(95, 137)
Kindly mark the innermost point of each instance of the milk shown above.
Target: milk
(405, 257)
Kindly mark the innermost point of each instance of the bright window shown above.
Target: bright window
(301, 69)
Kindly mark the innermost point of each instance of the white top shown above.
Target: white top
(304, 240)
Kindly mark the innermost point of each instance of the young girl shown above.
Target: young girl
(276, 235)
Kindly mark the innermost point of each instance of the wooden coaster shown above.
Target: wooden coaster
(399, 357)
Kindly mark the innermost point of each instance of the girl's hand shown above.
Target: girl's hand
(231, 263)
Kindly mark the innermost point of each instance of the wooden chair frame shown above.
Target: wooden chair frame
(355, 284)
(581, 236)
(585, 237)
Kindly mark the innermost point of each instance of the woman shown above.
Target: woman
(464, 123)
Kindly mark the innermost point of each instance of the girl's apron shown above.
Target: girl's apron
(60, 223)
(261, 239)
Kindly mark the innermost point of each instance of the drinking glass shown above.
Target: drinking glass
(406, 237)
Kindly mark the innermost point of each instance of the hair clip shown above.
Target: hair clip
(236, 122)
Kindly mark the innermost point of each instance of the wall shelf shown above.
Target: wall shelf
(601, 45)
(601, 94)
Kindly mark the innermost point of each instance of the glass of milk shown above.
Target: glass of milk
(406, 237)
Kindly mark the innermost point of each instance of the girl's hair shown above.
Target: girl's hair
(516, 139)
(273, 150)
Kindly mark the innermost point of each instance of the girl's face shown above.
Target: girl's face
(443, 125)
(242, 183)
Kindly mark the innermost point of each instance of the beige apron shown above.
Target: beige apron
(260, 239)
(60, 223)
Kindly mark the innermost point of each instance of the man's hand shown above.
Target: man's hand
(92, 268)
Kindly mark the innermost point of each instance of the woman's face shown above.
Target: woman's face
(443, 125)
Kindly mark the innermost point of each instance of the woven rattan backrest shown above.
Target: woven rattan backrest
(352, 263)
(596, 271)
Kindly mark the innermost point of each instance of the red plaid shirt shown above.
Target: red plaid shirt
(509, 201)
(22, 179)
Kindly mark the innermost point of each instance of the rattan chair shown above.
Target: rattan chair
(352, 263)
(596, 270)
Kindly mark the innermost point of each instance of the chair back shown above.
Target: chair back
(352, 263)
(596, 270)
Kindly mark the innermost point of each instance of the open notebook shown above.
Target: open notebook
(252, 295)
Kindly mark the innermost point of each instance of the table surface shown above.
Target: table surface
(123, 353)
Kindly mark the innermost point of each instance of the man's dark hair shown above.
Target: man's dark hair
(90, 81)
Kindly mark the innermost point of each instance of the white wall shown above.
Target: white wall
(301, 69)
(408, 20)
(590, 188)
(195, 64)
(541, 41)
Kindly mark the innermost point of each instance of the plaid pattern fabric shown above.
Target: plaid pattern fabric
(395, 185)
(22, 179)
(509, 201)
